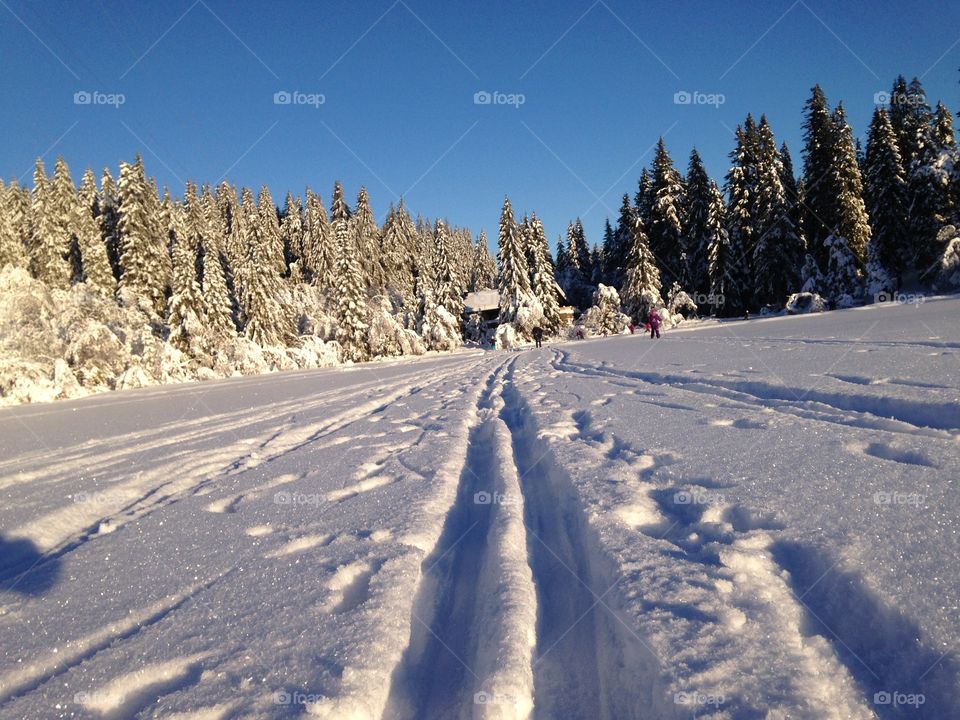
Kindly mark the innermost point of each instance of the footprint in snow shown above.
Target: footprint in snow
(350, 586)
(888, 451)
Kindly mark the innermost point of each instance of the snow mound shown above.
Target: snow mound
(803, 303)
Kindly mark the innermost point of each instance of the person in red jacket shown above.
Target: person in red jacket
(654, 321)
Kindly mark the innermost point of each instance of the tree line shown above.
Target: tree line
(853, 225)
(220, 263)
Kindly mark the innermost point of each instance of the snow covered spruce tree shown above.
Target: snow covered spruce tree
(483, 268)
(185, 316)
(11, 247)
(697, 230)
(885, 196)
(852, 220)
(779, 248)
(217, 304)
(319, 252)
(14, 225)
(929, 184)
(643, 200)
(616, 245)
(641, 289)
(575, 276)
(735, 258)
(108, 219)
(718, 252)
(368, 243)
(447, 293)
(520, 311)
(397, 263)
(543, 279)
(664, 224)
(50, 212)
(144, 257)
(604, 316)
(820, 194)
(292, 233)
(267, 319)
(96, 271)
(440, 304)
(267, 224)
(351, 307)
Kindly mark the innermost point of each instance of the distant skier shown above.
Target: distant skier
(654, 322)
(632, 328)
(579, 333)
(538, 335)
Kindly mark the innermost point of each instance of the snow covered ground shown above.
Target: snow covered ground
(748, 520)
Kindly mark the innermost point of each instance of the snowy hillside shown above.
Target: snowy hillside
(747, 520)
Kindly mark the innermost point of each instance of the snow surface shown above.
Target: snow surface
(752, 519)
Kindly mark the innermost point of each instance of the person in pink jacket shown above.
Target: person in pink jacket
(654, 320)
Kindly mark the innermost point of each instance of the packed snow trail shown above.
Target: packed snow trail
(756, 519)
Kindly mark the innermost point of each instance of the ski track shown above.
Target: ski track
(527, 592)
(877, 412)
(349, 587)
(512, 617)
(119, 503)
(862, 644)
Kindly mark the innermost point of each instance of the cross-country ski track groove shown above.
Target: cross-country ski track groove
(478, 649)
(514, 615)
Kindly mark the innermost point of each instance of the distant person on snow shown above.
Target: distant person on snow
(538, 335)
(579, 333)
(654, 322)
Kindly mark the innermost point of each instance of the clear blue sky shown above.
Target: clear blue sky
(398, 79)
